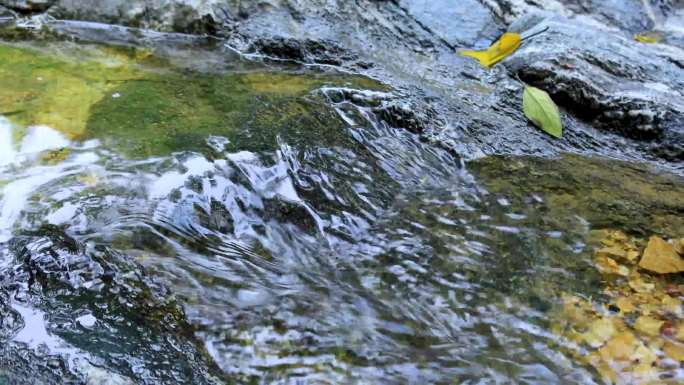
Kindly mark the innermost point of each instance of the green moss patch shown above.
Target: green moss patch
(57, 91)
(178, 111)
(608, 193)
(140, 106)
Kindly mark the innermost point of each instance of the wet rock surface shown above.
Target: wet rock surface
(75, 295)
(191, 16)
(618, 97)
(28, 6)
(613, 83)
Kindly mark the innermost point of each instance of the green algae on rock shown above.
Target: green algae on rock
(57, 91)
(139, 105)
(179, 111)
(607, 193)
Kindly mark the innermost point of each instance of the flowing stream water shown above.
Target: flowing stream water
(347, 252)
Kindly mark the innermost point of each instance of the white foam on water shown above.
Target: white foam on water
(34, 333)
(42, 138)
(7, 153)
(15, 194)
(36, 336)
(165, 184)
(14, 197)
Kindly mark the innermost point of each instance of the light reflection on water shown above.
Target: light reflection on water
(378, 260)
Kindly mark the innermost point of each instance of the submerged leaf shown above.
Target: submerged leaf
(648, 326)
(607, 265)
(600, 331)
(542, 111)
(674, 350)
(506, 45)
(661, 257)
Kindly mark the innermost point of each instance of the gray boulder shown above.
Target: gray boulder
(190, 16)
(609, 80)
(618, 97)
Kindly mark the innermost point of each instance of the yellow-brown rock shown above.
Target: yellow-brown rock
(661, 257)
(679, 246)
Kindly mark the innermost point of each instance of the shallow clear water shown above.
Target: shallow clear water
(355, 254)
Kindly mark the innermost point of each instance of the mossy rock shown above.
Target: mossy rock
(58, 91)
(608, 193)
(179, 111)
(140, 106)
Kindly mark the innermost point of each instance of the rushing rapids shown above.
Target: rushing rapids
(164, 222)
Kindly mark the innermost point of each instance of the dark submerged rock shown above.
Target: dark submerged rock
(139, 332)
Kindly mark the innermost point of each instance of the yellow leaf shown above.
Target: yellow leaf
(661, 257)
(645, 39)
(639, 285)
(649, 326)
(648, 37)
(506, 45)
(674, 350)
(625, 305)
(607, 265)
(599, 332)
(619, 348)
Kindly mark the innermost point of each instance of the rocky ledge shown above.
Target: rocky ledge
(618, 97)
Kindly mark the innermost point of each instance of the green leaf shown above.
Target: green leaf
(542, 111)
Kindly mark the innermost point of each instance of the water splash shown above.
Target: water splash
(359, 256)
(7, 152)
(27, 173)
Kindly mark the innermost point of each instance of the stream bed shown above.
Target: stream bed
(162, 223)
